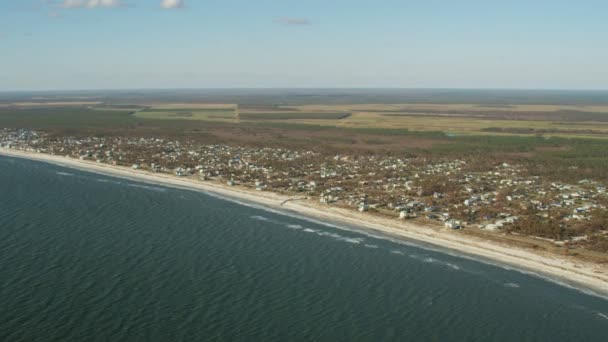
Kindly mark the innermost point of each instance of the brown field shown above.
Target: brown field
(555, 120)
(424, 107)
(50, 104)
(178, 106)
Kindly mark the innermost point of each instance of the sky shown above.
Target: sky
(125, 44)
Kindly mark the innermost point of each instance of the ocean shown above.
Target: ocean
(87, 257)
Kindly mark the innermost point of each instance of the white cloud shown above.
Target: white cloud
(91, 3)
(169, 4)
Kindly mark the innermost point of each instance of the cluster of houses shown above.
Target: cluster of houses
(447, 192)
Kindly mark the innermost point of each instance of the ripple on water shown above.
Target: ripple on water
(130, 263)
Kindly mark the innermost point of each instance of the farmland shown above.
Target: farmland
(455, 119)
(466, 119)
(217, 114)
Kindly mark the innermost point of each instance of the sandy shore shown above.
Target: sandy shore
(560, 267)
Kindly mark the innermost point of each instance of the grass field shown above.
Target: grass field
(456, 119)
(64, 118)
(466, 125)
(332, 116)
(554, 120)
(581, 120)
(202, 114)
(457, 107)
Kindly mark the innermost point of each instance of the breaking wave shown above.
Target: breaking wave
(260, 218)
(147, 187)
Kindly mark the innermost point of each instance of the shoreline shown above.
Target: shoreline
(556, 267)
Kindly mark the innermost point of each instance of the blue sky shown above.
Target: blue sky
(112, 44)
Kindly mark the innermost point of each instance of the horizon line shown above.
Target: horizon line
(302, 88)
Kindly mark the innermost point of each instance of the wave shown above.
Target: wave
(67, 174)
(453, 266)
(335, 236)
(147, 187)
(355, 241)
(430, 260)
(332, 235)
(260, 218)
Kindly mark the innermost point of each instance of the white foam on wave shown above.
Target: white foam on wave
(394, 251)
(371, 246)
(331, 235)
(146, 187)
(430, 260)
(259, 218)
(547, 278)
(416, 244)
(312, 220)
(453, 266)
(512, 285)
(355, 241)
(604, 316)
(335, 236)
(64, 173)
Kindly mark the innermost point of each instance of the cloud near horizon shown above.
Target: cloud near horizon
(171, 4)
(91, 3)
(292, 21)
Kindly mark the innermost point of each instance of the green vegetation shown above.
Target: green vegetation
(72, 118)
(295, 116)
(177, 110)
(187, 114)
(472, 119)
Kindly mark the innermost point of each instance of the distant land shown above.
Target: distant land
(300, 96)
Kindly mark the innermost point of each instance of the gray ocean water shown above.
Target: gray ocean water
(86, 257)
